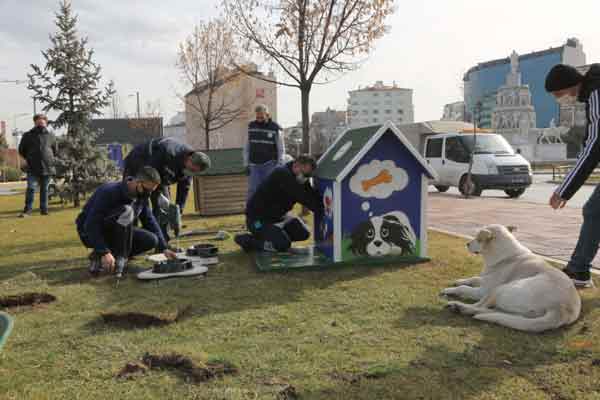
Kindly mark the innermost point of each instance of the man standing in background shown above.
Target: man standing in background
(38, 148)
(264, 149)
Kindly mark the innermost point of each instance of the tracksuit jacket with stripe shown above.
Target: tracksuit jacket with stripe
(590, 155)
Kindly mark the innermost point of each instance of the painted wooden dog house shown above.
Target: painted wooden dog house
(374, 188)
(223, 188)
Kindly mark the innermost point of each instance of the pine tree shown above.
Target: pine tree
(70, 83)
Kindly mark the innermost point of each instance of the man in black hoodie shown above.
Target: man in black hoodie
(38, 148)
(271, 227)
(568, 86)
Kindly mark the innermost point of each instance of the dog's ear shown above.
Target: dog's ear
(511, 228)
(485, 235)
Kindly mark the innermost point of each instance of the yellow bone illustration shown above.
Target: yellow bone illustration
(383, 177)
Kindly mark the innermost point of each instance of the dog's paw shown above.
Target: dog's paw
(460, 282)
(454, 306)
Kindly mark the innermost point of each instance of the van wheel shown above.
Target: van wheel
(473, 190)
(442, 189)
(514, 193)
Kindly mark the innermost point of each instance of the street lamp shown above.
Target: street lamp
(137, 95)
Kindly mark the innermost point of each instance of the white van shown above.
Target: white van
(495, 163)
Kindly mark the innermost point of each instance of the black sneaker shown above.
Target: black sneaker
(580, 279)
(245, 241)
(25, 214)
(44, 212)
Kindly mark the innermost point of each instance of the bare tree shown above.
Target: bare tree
(206, 63)
(153, 109)
(306, 39)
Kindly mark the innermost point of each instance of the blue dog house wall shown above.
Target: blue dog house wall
(374, 188)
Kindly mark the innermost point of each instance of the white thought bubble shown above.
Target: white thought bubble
(378, 179)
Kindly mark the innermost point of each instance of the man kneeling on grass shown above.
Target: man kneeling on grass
(271, 227)
(106, 223)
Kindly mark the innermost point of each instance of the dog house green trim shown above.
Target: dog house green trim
(6, 325)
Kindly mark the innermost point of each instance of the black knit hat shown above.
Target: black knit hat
(561, 77)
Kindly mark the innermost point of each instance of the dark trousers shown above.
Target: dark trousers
(164, 190)
(589, 237)
(278, 236)
(33, 182)
(123, 240)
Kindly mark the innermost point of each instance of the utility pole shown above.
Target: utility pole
(137, 95)
(469, 183)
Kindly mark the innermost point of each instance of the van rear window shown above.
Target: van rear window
(434, 148)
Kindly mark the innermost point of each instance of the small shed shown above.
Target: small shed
(374, 188)
(222, 189)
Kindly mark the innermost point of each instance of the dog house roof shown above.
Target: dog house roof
(352, 145)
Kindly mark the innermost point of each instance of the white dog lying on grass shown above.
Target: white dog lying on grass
(517, 288)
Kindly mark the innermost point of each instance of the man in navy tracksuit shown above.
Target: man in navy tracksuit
(267, 219)
(264, 149)
(106, 223)
(569, 86)
(175, 162)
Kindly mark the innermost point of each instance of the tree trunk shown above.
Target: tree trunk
(207, 134)
(305, 94)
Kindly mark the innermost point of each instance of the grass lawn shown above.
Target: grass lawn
(354, 333)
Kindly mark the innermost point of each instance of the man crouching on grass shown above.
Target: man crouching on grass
(106, 223)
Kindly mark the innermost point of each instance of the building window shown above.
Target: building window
(375, 111)
(388, 111)
(375, 120)
(365, 111)
(401, 111)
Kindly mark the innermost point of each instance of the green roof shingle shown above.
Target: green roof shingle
(225, 162)
(329, 168)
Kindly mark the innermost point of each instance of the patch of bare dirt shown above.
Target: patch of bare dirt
(131, 369)
(193, 371)
(137, 320)
(26, 299)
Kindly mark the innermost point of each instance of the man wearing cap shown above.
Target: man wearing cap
(175, 162)
(569, 86)
(38, 147)
(106, 222)
(264, 149)
(271, 226)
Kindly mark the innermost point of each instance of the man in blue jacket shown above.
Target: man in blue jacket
(106, 223)
(175, 162)
(569, 86)
(264, 149)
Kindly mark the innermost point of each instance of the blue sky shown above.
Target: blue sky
(430, 45)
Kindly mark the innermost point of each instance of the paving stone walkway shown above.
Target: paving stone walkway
(545, 231)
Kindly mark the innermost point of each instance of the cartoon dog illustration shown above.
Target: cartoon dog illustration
(388, 234)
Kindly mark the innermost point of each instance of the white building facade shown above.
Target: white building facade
(176, 128)
(454, 111)
(379, 103)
